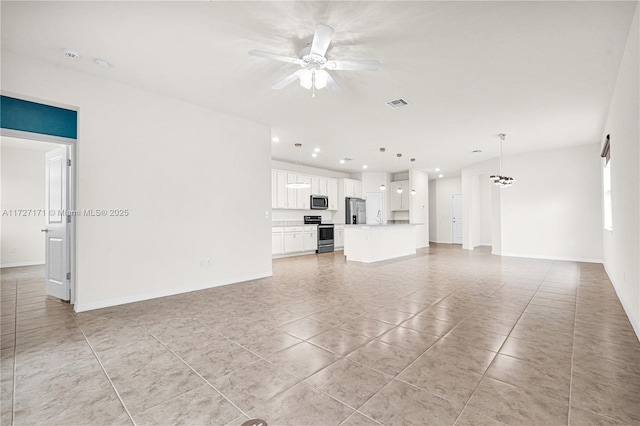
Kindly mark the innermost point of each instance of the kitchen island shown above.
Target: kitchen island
(373, 243)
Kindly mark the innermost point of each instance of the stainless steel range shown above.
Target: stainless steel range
(325, 233)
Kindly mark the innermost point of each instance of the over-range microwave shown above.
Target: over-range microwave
(319, 202)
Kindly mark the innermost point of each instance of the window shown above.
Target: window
(606, 186)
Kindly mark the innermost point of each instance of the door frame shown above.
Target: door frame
(453, 208)
(72, 195)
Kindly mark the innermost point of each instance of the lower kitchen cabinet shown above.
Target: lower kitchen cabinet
(310, 238)
(338, 236)
(293, 239)
(277, 241)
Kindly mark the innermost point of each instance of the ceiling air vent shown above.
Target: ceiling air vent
(397, 103)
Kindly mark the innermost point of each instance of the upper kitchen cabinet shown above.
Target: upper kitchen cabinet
(281, 201)
(298, 198)
(352, 188)
(399, 201)
(291, 198)
(332, 193)
(319, 186)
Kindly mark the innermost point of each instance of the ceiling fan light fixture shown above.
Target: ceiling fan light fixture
(306, 79)
(321, 78)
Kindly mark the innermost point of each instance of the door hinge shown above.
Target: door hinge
(68, 161)
(68, 275)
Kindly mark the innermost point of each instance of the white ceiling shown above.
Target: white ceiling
(542, 72)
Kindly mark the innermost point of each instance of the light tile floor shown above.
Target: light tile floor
(444, 337)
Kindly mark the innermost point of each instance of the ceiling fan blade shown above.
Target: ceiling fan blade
(332, 86)
(321, 39)
(275, 57)
(355, 65)
(286, 81)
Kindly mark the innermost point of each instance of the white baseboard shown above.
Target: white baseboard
(632, 319)
(82, 307)
(561, 258)
(17, 264)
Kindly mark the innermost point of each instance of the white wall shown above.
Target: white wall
(486, 213)
(433, 210)
(444, 190)
(196, 183)
(621, 253)
(22, 188)
(553, 210)
(419, 208)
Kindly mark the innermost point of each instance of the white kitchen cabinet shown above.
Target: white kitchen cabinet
(274, 189)
(338, 236)
(352, 188)
(277, 240)
(293, 239)
(399, 202)
(281, 190)
(291, 192)
(332, 193)
(319, 186)
(303, 195)
(310, 238)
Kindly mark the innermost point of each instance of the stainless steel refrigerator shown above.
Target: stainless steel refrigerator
(356, 211)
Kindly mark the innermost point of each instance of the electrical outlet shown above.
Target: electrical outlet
(12, 249)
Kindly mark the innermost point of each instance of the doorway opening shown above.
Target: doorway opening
(456, 219)
(37, 202)
(52, 131)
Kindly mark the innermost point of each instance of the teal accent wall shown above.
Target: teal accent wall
(26, 116)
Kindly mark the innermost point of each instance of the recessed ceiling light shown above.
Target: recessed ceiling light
(343, 161)
(102, 63)
(71, 54)
(441, 176)
(437, 169)
(316, 149)
(275, 139)
(314, 154)
(364, 166)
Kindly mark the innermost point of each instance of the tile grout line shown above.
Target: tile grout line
(505, 340)
(194, 370)
(15, 353)
(303, 381)
(573, 350)
(107, 375)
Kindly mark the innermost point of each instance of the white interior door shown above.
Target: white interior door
(375, 210)
(456, 218)
(56, 227)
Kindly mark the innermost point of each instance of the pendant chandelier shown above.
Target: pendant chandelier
(502, 179)
(298, 184)
(382, 185)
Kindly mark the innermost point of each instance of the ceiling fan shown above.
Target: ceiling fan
(314, 64)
